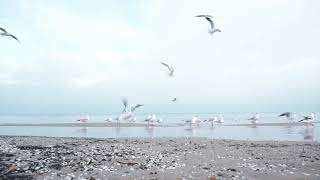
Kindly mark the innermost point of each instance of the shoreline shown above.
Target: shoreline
(115, 124)
(156, 158)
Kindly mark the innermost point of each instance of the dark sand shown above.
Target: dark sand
(160, 158)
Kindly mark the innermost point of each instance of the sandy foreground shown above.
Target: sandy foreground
(159, 158)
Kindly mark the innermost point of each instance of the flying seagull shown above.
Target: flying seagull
(171, 70)
(5, 33)
(306, 118)
(212, 28)
(288, 115)
(131, 108)
(255, 118)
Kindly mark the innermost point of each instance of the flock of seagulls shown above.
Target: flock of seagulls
(212, 29)
(128, 110)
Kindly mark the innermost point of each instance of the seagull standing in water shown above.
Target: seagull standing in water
(212, 28)
(212, 120)
(255, 118)
(5, 33)
(170, 68)
(307, 118)
(194, 120)
(152, 119)
(84, 120)
(288, 115)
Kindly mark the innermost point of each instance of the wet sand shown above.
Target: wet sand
(159, 158)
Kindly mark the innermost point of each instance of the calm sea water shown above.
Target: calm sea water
(290, 133)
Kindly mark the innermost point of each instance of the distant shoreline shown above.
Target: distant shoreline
(115, 124)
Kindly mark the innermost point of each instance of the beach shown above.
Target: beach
(156, 158)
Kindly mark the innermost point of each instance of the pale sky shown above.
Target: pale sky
(83, 56)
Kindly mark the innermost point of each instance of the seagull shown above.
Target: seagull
(255, 118)
(212, 120)
(194, 120)
(5, 33)
(306, 118)
(127, 116)
(109, 119)
(153, 118)
(212, 28)
(131, 108)
(288, 115)
(171, 70)
(84, 120)
(221, 120)
(174, 100)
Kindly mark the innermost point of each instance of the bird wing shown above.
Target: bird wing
(304, 118)
(14, 37)
(201, 15)
(133, 108)
(125, 104)
(3, 30)
(211, 22)
(166, 65)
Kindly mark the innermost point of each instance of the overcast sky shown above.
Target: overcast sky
(83, 56)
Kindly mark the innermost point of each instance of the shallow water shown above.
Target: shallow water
(290, 133)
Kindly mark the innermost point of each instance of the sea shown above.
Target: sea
(286, 132)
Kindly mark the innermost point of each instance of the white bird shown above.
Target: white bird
(127, 112)
(109, 119)
(255, 118)
(170, 68)
(194, 120)
(84, 120)
(288, 115)
(220, 120)
(307, 118)
(212, 28)
(131, 108)
(126, 116)
(5, 33)
(212, 120)
(152, 119)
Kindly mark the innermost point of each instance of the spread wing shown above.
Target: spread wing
(133, 108)
(3, 30)
(211, 22)
(14, 37)
(166, 65)
(201, 15)
(125, 104)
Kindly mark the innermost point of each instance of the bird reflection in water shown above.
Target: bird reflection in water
(83, 130)
(308, 133)
(150, 131)
(117, 130)
(191, 131)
